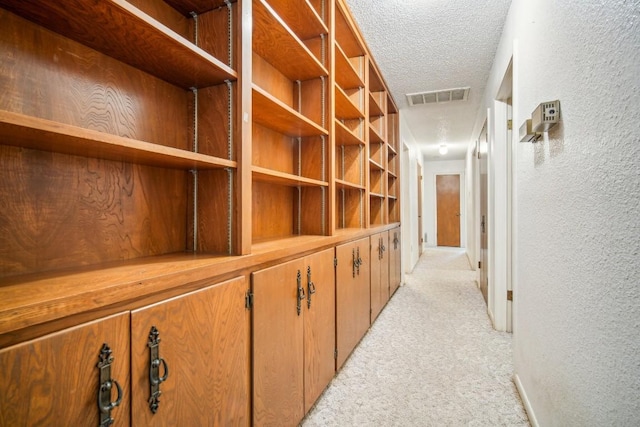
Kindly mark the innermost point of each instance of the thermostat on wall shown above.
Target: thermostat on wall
(545, 116)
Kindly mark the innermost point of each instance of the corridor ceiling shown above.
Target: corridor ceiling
(429, 45)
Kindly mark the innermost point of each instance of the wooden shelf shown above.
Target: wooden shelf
(349, 41)
(283, 178)
(392, 108)
(390, 197)
(301, 17)
(391, 151)
(375, 165)
(40, 134)
(274, 114)
(374, 136)
(344, 136)
(120, 30)
(278, 45)
(341, 184)
(375, 81)
(198, 6)
(346, 75)
(345, 108)
(392, 175)
(375, 109)
(376, 195)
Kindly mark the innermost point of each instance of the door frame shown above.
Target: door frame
(481, 149)
(420, 210)
(501, 193)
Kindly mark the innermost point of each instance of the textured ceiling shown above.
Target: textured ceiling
(425, 45)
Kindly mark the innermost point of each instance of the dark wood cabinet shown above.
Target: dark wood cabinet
(353, 296)
(293, 337)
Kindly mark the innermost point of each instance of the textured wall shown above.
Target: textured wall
(577, 271)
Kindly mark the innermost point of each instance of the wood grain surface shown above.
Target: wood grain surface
(395, 272)
(54, 380)
(349, 207)
(278, 347)
(62, 211)
(353, 300)
(120, 30)
(204, 341)
(319, 326)
(51, 77)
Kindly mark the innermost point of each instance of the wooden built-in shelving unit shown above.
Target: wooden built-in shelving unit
(154, 148)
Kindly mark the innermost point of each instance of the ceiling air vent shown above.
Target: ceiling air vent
(438, 96)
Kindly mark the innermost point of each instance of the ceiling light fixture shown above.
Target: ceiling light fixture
(443, 149)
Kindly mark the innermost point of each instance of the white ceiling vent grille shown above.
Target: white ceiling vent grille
(438, 96)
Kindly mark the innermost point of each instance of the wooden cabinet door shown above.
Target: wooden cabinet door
(319, 326)
(53, 380)
(384, 268)
(379, 272)
(394, 260)
(278, 365)
(204, 340)
(353, 299)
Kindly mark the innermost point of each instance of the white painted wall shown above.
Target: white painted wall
(576, 245)
(443, 167)
(410, 157)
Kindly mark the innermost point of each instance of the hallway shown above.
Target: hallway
(431, 359)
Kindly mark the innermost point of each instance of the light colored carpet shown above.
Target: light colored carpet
(431, 359)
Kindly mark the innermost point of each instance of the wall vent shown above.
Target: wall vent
(438, 96)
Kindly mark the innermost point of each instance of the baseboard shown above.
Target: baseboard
(525, 401)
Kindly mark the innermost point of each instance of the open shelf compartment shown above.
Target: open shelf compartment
(120, 30)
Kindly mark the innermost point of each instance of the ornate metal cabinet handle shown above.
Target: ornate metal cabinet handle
(106, 383)
(300, 292)
(154, 369)
(311, 287)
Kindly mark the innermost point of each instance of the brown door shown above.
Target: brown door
(353, 299)
(448, 209)
(484, 220)
(278, 353)
(204, 343)
(319, 325)
(54, 380)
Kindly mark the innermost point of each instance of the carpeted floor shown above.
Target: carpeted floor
(431, 359)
